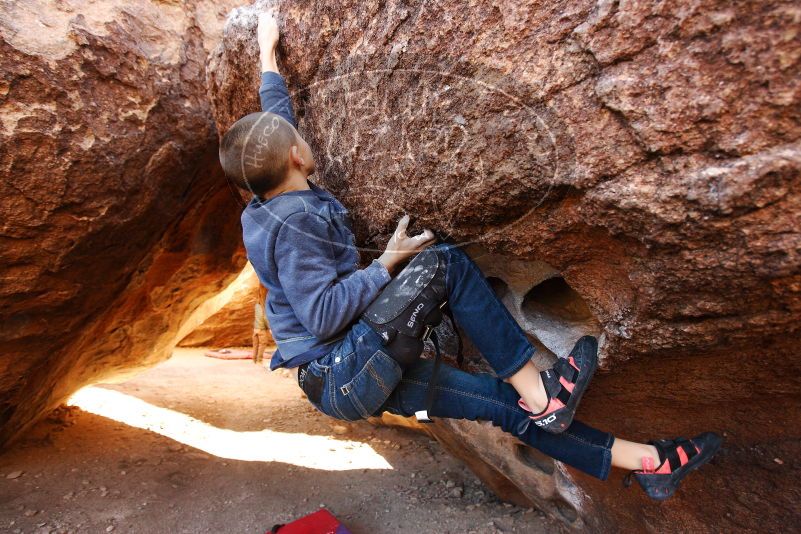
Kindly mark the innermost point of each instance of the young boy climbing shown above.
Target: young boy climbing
(299, 240)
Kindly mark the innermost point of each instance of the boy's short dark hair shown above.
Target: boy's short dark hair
(253, 152)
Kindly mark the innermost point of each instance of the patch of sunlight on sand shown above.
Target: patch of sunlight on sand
(316, 452)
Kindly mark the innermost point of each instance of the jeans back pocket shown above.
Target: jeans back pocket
(373, 384)
(311, 382)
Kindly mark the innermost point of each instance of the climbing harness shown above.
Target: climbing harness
(405, 313)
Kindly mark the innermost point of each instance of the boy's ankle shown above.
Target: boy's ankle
(537, 400)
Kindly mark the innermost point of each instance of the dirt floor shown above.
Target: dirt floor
(203, 445)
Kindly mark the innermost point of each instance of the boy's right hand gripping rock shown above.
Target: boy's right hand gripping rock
(401, 246)
(267, 32)
(267, 35)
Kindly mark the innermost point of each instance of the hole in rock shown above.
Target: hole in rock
(557, 315)
(534, 458)
(556, 298)
(566, 511)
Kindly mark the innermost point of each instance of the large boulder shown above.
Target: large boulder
(629, 169)
(116, 219)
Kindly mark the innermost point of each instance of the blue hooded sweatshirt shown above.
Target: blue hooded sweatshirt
(304, 252)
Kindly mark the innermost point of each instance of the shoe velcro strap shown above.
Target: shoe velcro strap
(563, 367)
(563, 395)
(554, 388)
(689, 448)
(673, 458)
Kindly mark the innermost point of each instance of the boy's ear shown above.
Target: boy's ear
(294, 155)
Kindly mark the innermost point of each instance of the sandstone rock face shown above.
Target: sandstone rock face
(630, 169)
(116, 221)
(231, 321)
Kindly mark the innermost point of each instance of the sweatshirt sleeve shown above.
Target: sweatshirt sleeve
(304, 255)
(274, 96)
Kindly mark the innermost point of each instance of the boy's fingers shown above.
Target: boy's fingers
(427, 235)
(422, 241)
(403, 223)
(424, 246)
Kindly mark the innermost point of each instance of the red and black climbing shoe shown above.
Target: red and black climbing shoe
(565, 383)
(678, 458)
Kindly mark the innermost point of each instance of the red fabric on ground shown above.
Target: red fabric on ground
(320, 522)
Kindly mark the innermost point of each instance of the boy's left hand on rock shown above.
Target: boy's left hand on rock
(401, 246)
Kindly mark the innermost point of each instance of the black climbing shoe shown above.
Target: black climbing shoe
(678, 457)
(565, 383)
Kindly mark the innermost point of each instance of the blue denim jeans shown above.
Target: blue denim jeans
(360, 379)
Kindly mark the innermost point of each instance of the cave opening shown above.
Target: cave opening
(557, 299)
(557, 314)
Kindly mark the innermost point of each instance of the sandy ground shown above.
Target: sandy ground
(202, 445)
